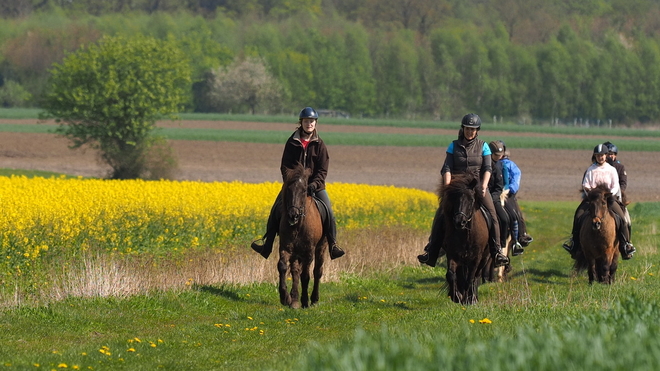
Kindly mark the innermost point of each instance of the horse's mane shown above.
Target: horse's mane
(601, 189)
(462, 183)
(296, 172)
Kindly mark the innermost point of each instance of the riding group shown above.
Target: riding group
(478, 213)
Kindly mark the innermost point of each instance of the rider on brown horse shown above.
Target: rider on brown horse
(600, 172)
(306, 147)
(467, 154)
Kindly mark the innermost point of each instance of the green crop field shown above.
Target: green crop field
(393, 317)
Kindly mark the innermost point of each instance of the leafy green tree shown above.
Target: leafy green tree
(246, 84)
(446, 47)
(649, 92)
(109, 96)
(553, 64)
(396, 62)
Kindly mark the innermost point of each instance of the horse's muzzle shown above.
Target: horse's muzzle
(595, 224)
(295, 214)
(461, 221)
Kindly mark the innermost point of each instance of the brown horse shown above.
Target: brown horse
(465, 238)
(598, 238)
(301, 240)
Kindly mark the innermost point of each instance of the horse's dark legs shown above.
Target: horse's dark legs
(295, 267)
(613, 266)
(282, 267)
(604, 270)
(304, 283)
(318, 273)
(592, 271)
(451, 282)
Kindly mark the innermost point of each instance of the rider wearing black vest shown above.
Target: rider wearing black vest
(467, 154)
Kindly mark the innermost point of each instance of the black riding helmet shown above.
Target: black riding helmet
(471, 120)
(308, 113)
(611, 148)
(601, 149)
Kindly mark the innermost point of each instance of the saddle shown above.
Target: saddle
(323, 211)
(487, 216)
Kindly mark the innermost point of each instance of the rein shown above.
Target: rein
(300, 214)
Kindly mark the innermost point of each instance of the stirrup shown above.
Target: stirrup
(568, 246)
(336, 252)
(258, 245)
(525, 240)
(517, 249)
(628, 251)
(500, 260)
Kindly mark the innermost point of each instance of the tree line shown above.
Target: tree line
(429, 59)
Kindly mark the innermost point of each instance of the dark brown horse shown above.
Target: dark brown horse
(466, 238)
(598, 238)
(301, 240)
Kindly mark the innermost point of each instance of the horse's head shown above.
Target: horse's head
(599, 200)
(461, 197)
(294, 193)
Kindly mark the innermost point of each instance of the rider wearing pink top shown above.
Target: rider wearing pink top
(600, 172)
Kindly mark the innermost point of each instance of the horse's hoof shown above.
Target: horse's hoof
(295, 305)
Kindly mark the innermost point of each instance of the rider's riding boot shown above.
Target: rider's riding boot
(627, 250)
(525, 240)
(429, 252)
(264, 245)
(335, 250)
(568, 246)
(498, 257)
(331, 235)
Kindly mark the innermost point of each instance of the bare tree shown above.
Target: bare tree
(245, 83)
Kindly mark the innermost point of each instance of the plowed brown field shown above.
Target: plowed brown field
(548, 175)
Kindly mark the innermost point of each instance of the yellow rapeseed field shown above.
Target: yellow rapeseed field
(64, 217)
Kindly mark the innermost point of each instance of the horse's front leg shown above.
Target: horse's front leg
(454, 295)
(318, 272)
(295, 268)
(592, 270)
(282, 267)
(603, 265)
(472, 296)
(304, 283)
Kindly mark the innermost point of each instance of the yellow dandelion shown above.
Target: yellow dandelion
(485, 320)
(62, 365)
(633, 278)
(471, 321)
(250, 318)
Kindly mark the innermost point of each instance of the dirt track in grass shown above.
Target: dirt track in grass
(548, 175)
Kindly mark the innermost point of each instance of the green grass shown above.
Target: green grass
(32, 173)
(404, 140)
(399, 319)
(602, 131)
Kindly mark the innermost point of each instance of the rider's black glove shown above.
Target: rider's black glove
(311, 189)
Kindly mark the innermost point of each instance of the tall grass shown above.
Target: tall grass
(378, 310)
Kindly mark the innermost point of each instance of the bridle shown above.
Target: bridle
(300, 214)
